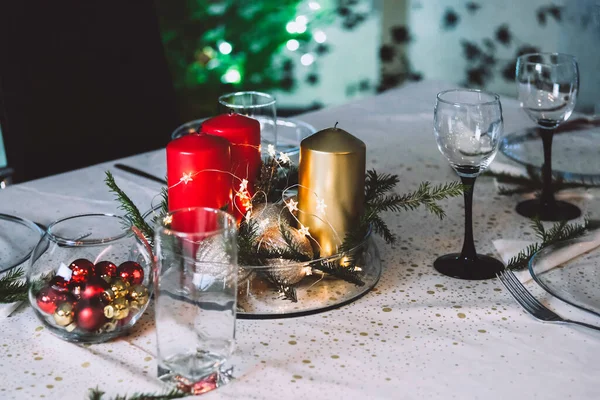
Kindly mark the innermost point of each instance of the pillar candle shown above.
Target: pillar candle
(244, 135)
(189, 183)
(332, 186)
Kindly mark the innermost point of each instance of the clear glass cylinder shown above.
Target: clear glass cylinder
(196, 297)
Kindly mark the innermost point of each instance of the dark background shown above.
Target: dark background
(81, 83)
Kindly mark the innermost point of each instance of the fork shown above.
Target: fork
(530, 303)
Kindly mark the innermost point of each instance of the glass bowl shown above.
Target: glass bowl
(90, 277)
(289, 289)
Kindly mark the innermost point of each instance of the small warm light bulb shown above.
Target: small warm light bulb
(320, 36)
(307, 59)
(293, 44)
(231, 76)
(225, 48)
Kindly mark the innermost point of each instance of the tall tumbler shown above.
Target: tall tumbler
(196, 294)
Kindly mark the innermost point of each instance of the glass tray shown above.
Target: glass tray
(18, 237)
(574, 151)
(316, 293)
(572, 278)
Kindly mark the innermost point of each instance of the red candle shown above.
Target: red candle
(244, 135)
(193, 177)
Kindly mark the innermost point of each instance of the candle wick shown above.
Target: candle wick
(335, 126)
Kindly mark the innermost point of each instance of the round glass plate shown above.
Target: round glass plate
(570, 271)
(290, 133)
(259, 298)
(574, 150)
(18, 238)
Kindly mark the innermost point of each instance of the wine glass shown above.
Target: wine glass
(547, 84)
(467, 126)
(258, 105)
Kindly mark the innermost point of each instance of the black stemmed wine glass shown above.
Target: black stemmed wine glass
(467, 126)
(547, 84)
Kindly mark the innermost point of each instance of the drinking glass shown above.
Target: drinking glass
(547, 84)
(467, 126)
(196, 297)
(257, 105)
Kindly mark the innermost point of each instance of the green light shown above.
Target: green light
(231, 76)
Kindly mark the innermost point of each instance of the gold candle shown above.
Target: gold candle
(332, 186)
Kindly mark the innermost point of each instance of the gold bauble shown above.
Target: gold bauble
(331, 189)
(118, 309)
(267, 215)
(63, 315)
(119, 287)
(139, 295)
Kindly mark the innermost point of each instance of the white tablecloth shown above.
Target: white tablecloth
(417, 335)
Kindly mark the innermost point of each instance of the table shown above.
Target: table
(417, 335)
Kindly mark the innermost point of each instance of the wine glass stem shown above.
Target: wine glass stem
(547, 196)
(468, 252)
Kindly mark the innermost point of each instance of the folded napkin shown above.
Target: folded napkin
(510, 248)
(8, 308)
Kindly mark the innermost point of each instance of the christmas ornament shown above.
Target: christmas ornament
(119, 287)
(48, 298)
(89, 314)
(138, 295)
(268, 215)
(81, 269)
(273, 240)
(93, 287)
(63, 315)
(59, 283)
(118, 309)
(331, 190)
(288, 272)
(131, 272)
(76, 288)
(105, 270)
(110, 326)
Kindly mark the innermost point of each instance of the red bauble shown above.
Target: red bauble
(76, 288)
(59, 283)
(105, 270)
(89, 314)
(131, 272)
(93, 287)
(48, 298)
(81, 270)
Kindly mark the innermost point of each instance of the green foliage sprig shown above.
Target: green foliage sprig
(13, 287)
(97, 394)
(130, 209)
(533, 182)
(379, 198)
(558, 232)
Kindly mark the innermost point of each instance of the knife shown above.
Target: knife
(139, 172)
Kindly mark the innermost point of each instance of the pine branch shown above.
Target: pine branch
(131, 211)
(97, 394)
(376, 185)
(164, 202)
(12, 286)
(288, 291)
(558, 232)
(293, 250)
(347, 273)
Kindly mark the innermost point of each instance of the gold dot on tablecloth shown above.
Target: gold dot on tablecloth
(461, 315)
(292, 342)
(85, 364)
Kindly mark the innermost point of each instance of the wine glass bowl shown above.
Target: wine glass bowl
(547, 85)
(468, 125)
(468, 139)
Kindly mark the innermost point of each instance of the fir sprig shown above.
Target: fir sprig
(131, 211)
(558, 232)
(345, 272)
(97, 394)
(378, 199)
(13, 287)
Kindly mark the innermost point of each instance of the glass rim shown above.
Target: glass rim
(567, 58)
(184, 235)
(81, 242)
(270, 102)
(495, 96)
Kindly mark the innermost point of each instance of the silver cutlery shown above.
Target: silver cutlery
(138, 172)
(531, 304)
